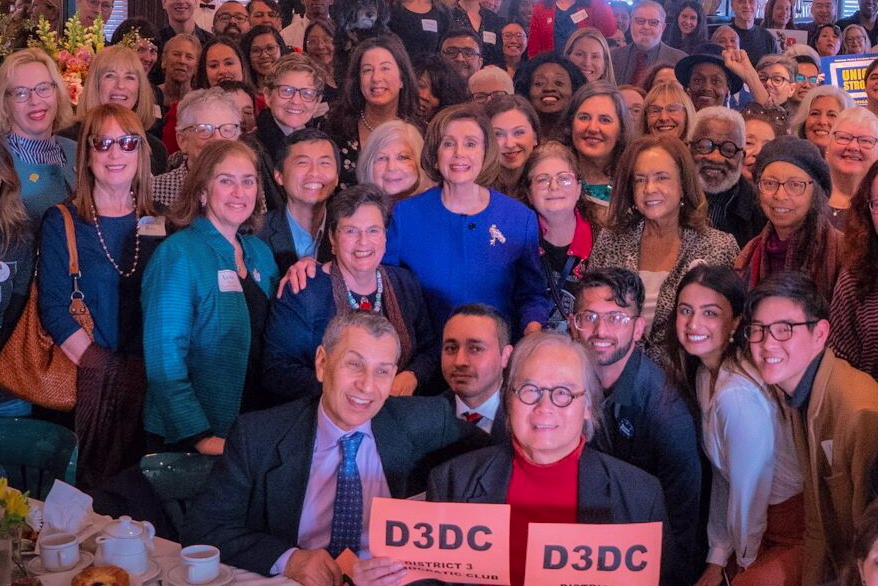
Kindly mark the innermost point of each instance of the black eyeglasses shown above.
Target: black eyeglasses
(705, 146)
(287, 92)
(559, 396)
(22, 94)
(485, 97)
(775, 80)
(128, 143)
(205, 131)
(267, 50)
(779, 330)
(453, 52)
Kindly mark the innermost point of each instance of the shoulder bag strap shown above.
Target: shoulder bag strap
(77, 298)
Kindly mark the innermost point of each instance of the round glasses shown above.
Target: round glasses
(793, 187)
(543, 181)
(306, 93)
(779, 330)
(589, 319)
(705, 146)
(128, 143)
(22, 94)
(559, 396)
(205, 131)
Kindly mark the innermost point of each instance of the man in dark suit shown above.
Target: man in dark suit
(298, 480)
(475, 350)
(307, 170)
(632, 63)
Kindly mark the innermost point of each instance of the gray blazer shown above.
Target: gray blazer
(624, 59)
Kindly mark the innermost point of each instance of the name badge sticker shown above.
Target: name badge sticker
(489, 37)
(228, 281)
(5, 272)
(579, 16)
(151, 226)
(429, 25)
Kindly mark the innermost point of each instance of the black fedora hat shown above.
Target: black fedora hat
(706, 53)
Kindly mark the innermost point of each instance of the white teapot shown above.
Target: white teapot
(126, 543)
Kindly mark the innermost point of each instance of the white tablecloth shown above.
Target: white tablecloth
(167, 555)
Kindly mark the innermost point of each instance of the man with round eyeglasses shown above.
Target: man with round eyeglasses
(717, 146)
(550, 473)
(203, 116)
(831, 406)
(462, 49)
(645, 420)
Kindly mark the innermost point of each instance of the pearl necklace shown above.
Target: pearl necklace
(364, 302)
(124, 274)
(365, 123)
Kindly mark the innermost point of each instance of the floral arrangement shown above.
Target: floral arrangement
(73, 52)
(13, 507)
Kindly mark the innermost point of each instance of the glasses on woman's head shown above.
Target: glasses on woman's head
(779, 330)
(845, 138)
(794, 187)
(287, 92)
(559, 396)
(128, 143)
(22, 94)
(543, 181)
(205, 131)
(705, 146)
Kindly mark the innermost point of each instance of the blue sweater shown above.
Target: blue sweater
(113, 301)
(197, 330)
(491, 257)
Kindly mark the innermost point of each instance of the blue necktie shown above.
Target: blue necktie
(347, 513)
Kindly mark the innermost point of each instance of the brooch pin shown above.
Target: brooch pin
(496, 235)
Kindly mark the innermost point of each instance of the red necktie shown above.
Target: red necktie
(639, 69)
(473, 416)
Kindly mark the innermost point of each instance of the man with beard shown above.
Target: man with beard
(867, 17)
(475, 350)
(645, 419)
(231, 20)
(631, 64)
(463, 51)
(706, 78)
(717, 145)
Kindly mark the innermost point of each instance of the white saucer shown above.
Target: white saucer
(35, 564)
(152, 572)
(177, 576)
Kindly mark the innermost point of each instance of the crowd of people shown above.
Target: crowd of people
(304, 248)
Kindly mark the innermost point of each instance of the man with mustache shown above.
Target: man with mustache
(717, 147)
(475, 350)
(645, 420)
(706, 78)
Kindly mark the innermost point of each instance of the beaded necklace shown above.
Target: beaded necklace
(364, 303)
(124, 274)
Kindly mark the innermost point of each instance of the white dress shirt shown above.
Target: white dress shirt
(488, 410)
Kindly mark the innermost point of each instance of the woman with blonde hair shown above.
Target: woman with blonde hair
(391, 159)
(111, 208)
(35, 107)
(667, 109)
(588, 50)
(117, 76)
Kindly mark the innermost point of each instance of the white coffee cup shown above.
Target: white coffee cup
(59, 551)
(202, 563)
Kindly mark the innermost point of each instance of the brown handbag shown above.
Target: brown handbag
(32, 367)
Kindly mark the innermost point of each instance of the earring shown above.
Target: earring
(682, 203)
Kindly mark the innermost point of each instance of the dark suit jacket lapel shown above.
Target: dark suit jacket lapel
(287, 481)
(595, 504)
(493, 484)
(396, 451)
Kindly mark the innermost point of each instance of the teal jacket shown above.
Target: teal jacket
(42, 186)
(196, 333)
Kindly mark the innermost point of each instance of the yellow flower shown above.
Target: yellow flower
(13, 505)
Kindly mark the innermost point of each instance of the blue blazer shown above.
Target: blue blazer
(253, 501)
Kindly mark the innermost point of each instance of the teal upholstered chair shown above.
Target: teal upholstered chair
(34, 453)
